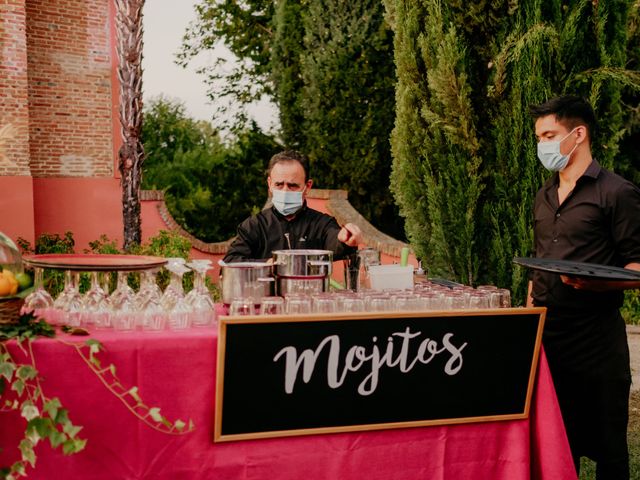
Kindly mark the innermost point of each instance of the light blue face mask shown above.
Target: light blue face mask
(550, 156)
(287, 202)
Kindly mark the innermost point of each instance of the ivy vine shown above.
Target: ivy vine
(47, 419)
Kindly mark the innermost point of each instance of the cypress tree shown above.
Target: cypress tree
(286, 70)
(465, 171)
(347, 102)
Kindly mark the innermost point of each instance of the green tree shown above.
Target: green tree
(209, 186)
(329, 66)
(465, 170)
(348, 102)
(245, 28)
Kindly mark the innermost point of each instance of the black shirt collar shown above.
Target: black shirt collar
(592, 171)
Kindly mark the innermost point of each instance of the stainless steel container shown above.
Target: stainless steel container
(302, 271)
(246, 280)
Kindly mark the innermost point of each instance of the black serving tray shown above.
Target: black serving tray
(579, 269)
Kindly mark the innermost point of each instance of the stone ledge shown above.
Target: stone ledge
(344, 212)
(337, 204)
(219, 248)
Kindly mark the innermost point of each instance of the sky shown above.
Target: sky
(165, 22)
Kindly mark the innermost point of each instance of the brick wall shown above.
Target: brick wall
(14, 109)
(69, 73)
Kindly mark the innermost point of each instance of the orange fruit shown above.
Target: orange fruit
(8, 283)
(5, 286)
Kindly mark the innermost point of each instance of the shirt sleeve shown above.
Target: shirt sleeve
(245, 244)
(625, 226)
(331, 242)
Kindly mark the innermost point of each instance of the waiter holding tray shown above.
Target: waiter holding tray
(585, 213)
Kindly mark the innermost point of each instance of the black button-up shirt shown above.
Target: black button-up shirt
(598, 222)
(259, 235)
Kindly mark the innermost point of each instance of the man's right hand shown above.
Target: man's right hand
(350, 234)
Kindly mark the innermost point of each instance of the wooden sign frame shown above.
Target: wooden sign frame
(225, 322)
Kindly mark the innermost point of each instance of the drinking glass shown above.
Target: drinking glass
(353, 304)
(479, 299)
(378, 303)
(454, 300)
(242, 307)
(39, 301)
(69, 302)
(505, 298)
(271, 306)
(203, 307)
(297, 304)
(93, 300)
(406, 302)
(323, 304)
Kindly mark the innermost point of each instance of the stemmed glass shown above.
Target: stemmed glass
(69, 302)
(39, 301)
(121, 302)
(147, 302)
(94, 303)
(198, 298)
(173, 299)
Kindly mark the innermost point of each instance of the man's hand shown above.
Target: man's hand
(350, 234)
(597, 285)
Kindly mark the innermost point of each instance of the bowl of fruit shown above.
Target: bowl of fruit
(14, 282)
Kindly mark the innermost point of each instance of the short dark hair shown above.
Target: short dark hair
(290, 156)
(570, 111)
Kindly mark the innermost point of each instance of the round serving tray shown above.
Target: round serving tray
(93, 262)
(579, 269)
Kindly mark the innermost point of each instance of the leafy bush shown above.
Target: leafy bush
(209, 187)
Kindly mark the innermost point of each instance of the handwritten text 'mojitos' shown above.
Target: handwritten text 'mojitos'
(370, 360)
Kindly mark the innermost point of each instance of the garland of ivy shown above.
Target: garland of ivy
(47, 419)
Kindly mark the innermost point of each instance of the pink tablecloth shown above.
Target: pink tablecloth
(176, 371)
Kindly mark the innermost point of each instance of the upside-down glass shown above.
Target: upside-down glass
(297, 304)
(203, 307)
(242, 307)
(271, 306)
(39, 301)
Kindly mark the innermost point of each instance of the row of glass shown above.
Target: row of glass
(124, 309)
(425, 296)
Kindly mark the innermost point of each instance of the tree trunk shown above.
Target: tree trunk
(131, 154)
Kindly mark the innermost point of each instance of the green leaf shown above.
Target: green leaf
(3, 385)
(155, 414)
(70, 446)
(62, 416)
(71, 429)
(43, 426)
(94, 345)
(56, 438)
(29, 411)
(18, 386)
(112, 369)
(26, 449)
(179, 424)
(7, 369)
(133, 391)
(26, 372)
(52, 406)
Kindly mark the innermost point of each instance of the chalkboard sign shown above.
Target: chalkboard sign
(284, 376)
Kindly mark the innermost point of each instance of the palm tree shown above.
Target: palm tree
(131, 154)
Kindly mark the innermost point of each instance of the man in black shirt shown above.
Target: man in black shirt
(290, 223)
(585, 213)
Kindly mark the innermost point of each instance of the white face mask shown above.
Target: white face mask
(287, 202)
(550, 156)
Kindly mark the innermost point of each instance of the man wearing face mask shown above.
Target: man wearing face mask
(588, 214)
(290, 223)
